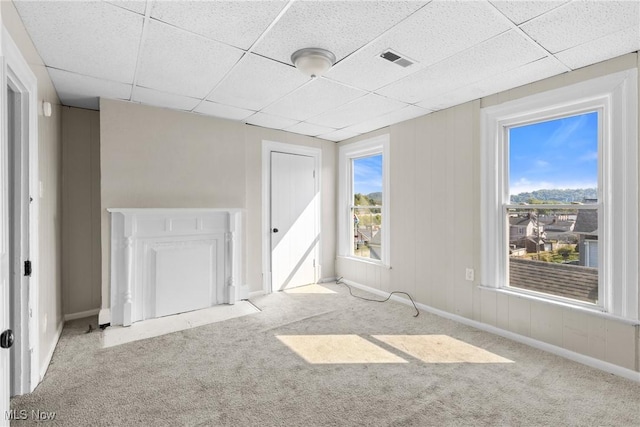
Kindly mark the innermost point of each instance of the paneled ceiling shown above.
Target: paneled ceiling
(231, 59)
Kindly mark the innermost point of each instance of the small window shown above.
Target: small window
(367, 207)
(364, 218)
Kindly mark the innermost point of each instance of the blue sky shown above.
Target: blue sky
(367, 175)
(561, 153)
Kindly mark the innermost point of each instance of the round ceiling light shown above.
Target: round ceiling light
(313, 61)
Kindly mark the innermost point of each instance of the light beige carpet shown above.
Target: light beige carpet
(324, 359)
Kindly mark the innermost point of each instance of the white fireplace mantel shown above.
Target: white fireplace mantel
(168, 261)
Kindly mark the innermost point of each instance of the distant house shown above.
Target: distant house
(586, 228)
(521, 227)
(559, 228)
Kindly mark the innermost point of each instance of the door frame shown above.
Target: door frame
(15, 71)
(267, 148)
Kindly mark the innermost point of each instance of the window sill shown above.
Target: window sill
(365, 261)
(592, 310)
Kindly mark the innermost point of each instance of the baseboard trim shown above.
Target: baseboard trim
(81, 314)
(45, 366)
(327, 279)
(550, 348)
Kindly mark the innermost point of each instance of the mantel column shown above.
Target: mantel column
(127, 314)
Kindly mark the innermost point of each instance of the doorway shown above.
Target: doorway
(18, 223)
(291, 216)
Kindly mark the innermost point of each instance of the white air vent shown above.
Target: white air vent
(396, 58)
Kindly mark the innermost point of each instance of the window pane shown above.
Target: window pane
(554, 250)
(367, 239)
(366, 211)
(554, 160)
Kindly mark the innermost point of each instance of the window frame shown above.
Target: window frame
(615, 98)
(347, 153)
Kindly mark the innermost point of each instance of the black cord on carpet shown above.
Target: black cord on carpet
(340, 282)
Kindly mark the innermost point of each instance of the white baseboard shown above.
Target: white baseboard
(327, 279)
(45, 366)
(550, 348)
(81, 314)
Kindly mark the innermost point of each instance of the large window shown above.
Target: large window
(363, 221)
(553, 207)
(560, 195)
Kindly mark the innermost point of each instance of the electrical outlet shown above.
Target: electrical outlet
(469, 273)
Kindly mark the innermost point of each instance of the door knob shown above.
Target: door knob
(6, 339)
(275, 230)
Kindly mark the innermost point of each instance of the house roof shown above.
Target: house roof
(232, 59)
(586, 222)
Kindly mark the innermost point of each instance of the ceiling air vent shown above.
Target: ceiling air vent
(396, 58)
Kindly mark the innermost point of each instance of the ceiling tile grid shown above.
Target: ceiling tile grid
(231, 59)
(237, 23)
(96, 39)
(578, 22)
(178, 62)
(84, 91)
(316, 97)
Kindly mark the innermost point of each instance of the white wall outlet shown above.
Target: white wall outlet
(469, 274)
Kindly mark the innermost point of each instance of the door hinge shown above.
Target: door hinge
(27, 268)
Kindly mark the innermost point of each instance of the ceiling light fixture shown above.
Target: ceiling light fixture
(313, 61)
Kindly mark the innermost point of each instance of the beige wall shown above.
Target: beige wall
(49, 158)
(435, 231)
(81, 252)
(154, 157)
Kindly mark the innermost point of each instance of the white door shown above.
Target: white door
(294, 237)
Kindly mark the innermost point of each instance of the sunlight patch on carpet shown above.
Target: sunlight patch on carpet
(440, 349)
(116, 335)
(310, 289)
(330, 349)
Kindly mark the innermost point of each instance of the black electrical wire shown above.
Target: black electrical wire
(340, 282)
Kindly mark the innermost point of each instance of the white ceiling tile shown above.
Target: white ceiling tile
(80, 91)
(528, 73)
(238, 23)
(448, 26)
(257, 82)
(361, 109)
(137, 6)
(224, 111)
(521, 11)
(89, 38)
(407, 113)
(163, 99)
(314, 98)
(339, 26)
(339, 135)
(610, 46)
(499, 54)
(581, 21)
(269, 121)
(178, 62)
(309, 129)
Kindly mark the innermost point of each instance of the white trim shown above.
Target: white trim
(15, 64)
(47, 360)
(615, 96)
(540, 345)
(104, 316)
(267, 148)
(327, 280)
(346, 152)
(81, 314)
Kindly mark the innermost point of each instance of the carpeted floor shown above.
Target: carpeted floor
(286, 366)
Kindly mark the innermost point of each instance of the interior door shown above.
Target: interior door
(294, 234)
